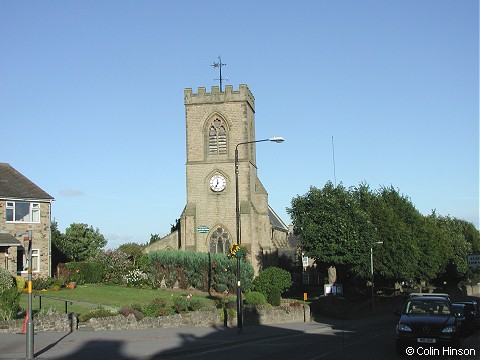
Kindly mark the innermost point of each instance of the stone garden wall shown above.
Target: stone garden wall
(203, 318)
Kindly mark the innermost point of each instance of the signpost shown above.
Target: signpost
(473, 261)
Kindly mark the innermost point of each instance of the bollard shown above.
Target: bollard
(73, 321)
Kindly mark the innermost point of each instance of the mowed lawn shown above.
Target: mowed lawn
(84, 298)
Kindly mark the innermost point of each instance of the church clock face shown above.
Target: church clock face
(217, 183)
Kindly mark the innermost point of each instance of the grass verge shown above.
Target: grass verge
(85, 298)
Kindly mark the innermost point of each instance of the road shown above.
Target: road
(367, 339)
(371, 339)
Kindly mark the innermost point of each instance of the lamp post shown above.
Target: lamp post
(371, 271)
(30, 330)
(276, 139)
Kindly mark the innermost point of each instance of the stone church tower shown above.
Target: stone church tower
(215, 123)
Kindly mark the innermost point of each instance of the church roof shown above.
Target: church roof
(15, 185)
(275, 220)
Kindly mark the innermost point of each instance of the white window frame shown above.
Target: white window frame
(35, 261)
(33, 212)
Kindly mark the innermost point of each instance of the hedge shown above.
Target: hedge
(202, 271)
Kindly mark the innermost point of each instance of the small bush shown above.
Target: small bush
(274, 297)
(9, 303)
(20, 283)
(157, 307)
(187, 303)
(255, 298)
(40, 283)
(130, 310)
(195, 304)
(6, 280)
(180, 304)
(100, 312)
(135, 278)
(272, 282)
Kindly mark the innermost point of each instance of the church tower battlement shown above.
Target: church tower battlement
(215, 96)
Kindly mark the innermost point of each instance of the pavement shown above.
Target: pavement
(139, 344)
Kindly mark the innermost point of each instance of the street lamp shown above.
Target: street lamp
(276, 139)
(371, 271)
(30, 348)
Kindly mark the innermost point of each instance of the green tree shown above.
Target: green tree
(81, 241)
(57, 240)
(133, 250)
(333, 228)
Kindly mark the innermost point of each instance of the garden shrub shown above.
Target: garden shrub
(180, 304)
(255, 298)
(9, 303)
(41, 283)
(274, 297)
(6, 280)
(135, 278)
(85, 272)
(20, 281)
(115, 264)
(125, 311)
(203, 271)
(157, 307)
(228, 302)
(187, 303)
(272, 282)
(195, 304)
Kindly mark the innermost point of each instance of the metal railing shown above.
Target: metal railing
(66, 301)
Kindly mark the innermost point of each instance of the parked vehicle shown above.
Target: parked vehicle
(474, 307)
(466, 319)
(427, 320)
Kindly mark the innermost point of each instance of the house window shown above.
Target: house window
(19, 211)
(22, 260)
(220, 241)
(306, 278)
(217, 138)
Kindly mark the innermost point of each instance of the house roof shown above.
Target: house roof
(7, 239)
(15, 185)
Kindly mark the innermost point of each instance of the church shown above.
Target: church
(220, 124)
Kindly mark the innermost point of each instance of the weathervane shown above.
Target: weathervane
(219, 65)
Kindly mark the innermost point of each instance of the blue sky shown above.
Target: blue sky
(91, 100)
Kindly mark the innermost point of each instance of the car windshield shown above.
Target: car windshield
(424, 307)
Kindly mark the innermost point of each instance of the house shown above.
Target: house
(24, 208)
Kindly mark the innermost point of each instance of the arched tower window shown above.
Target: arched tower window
(220, 241)
(217, 138)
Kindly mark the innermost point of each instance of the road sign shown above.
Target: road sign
(473, 260)
(203, 229)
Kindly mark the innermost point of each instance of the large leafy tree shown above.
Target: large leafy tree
(338, 227)
(80, 242)
(333, 228)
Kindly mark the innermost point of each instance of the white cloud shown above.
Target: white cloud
(71, 193)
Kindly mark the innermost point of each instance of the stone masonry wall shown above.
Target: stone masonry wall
(201, 318)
